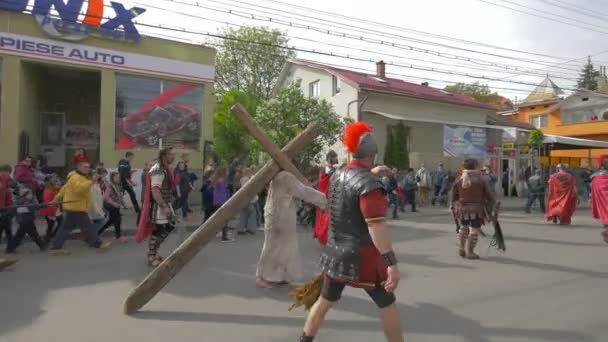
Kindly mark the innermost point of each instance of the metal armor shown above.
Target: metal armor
(348, 230)
(600, 172)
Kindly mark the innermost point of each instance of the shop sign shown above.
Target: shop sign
(68, 26)
(66, 52)
(508, 146)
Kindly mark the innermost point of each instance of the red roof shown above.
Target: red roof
(396, 86)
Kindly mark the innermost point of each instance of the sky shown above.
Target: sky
(404, 34)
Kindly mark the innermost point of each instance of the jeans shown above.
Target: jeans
(72, 220)
(182, 203)
(532, 197)
(410, 197)
(248, 217)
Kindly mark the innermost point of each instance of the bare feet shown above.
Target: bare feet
(263, 284)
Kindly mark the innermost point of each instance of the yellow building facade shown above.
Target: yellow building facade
(583, 115)
(100, 93)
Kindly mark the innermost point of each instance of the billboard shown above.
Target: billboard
(465, 142)
(150, 111)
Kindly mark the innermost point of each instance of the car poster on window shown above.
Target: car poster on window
(171, 116)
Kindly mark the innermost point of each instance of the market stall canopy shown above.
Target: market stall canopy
(567, 143)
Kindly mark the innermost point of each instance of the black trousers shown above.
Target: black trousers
(114, 219)
(132, 196)
(51, 227)
(410, 197)
(28, 228)
(6, 222)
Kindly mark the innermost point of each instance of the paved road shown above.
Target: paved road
(550, 286)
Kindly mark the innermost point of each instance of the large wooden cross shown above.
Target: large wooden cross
(162, 275)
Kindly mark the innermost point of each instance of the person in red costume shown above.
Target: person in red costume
(322, 217)
(599, 194)
(359, 252)
(561, 196)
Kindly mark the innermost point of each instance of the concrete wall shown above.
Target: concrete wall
(19, 111)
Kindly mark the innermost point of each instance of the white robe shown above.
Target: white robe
(280, 258)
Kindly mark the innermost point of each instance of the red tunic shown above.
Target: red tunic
(599, 198)
(562, 197)
(322, 217)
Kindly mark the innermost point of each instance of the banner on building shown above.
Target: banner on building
(150, 111)
(465, 142)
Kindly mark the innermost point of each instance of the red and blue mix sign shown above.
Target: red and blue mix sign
(68, 27)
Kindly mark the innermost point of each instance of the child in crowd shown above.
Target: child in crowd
(6, 201)
(220, 196)
(96, 212)
(51, 213)
(26, 217)
(113, 202)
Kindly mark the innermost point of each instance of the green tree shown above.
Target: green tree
(588, 77)
(251, 60)
(396, 150)
(290, 112)
(231, 139)
(389, 148)
(478, 91)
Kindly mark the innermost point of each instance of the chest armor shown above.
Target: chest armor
(165, 189)
(348, 230)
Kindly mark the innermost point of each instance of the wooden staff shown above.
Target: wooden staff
(162, 274)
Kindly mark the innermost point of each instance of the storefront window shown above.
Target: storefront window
(150, 110)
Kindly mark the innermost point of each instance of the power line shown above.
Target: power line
(384, 54)
(331, 54)
(252, 16)
(575, 9)
(541, 16)
(403, 29)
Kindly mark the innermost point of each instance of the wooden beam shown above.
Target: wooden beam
(162, 274)
(245, 118)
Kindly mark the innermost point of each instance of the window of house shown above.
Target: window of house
(314, 89)
(150, 109)
(335, 82)
(539, 121)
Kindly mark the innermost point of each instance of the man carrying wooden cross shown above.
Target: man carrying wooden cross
(359, 251)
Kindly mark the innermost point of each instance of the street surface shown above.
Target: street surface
(550, 286)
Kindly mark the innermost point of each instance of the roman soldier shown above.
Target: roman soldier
(471, 198)
(359, 251)
(158, 218)
(562, 196)
(322, 217)
(599, 194)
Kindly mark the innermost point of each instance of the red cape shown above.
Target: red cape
(599, 198)
(145, 227)
(322, 218)
(562, 197)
